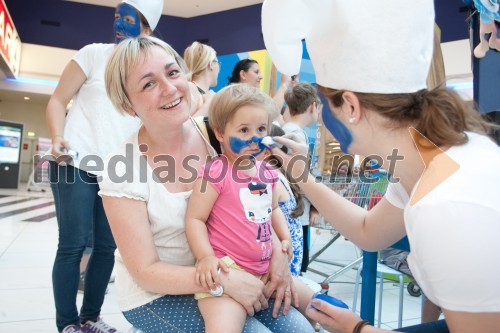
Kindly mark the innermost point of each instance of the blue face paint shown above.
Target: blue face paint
(339, 130)
(123, 25)
(236, 144)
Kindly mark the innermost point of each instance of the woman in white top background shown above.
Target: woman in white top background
(89, 132)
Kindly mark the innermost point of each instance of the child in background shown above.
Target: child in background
(305, 107)
(228, 222)
(291, 204)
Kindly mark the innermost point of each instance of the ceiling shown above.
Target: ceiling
(186, 8)
(55, 23)
(18, 96)
(178, 8)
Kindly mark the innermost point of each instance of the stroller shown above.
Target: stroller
(396, 259)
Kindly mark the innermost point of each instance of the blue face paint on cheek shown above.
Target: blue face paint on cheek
(237, 145)
(123, 26)
(339, 130)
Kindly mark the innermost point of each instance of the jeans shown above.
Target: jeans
(438, 326)
(180, 314)
(80, 215)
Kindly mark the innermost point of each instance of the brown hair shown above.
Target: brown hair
(439, 114)
(300, 97)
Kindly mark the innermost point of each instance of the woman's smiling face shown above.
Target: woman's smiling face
(157, 87)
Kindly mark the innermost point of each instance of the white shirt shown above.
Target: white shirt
(166, 212)
(454, 230)
(93, 126)
(296, 129)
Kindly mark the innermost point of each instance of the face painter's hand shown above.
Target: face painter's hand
(296, 163)
(332, 318)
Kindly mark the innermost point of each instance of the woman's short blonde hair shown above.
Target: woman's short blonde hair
(124, 59)
(197, 57)
(230, 99)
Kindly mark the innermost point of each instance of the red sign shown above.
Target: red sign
(10, 44)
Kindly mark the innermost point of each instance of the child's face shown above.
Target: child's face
(243, 133)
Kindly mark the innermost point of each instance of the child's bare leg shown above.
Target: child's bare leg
(305, 294)
(222, 314)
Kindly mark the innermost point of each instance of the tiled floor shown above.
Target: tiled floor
(28, 241)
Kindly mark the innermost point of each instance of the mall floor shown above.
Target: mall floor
(28, 242)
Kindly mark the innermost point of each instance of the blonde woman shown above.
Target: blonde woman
(203, 71)
(155, 273)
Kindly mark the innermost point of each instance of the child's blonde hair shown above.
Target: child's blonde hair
(230, 99)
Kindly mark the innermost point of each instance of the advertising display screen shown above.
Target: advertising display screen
(10, 144)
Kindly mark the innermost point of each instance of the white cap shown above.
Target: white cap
(151, 9)
(357, 45)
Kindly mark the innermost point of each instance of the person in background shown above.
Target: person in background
(203, 70)
(373, 73)
(155, 273)
(248, 71)
(90, 131)
(304, 109)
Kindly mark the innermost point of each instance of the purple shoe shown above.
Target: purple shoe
(72, 329)
(98, 327)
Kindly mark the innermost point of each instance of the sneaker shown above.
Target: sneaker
(98, 327)
(72, 329)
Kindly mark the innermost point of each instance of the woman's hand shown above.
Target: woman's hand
(59, 146)
(245, 289)
(332, 318)
(281, 282)
(296, 163)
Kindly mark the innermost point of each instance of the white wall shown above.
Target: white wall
(31, 115)
(458, 66)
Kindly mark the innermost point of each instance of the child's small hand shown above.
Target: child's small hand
(206, 271)
(286, 247)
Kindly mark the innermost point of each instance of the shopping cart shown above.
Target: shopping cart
(365, 192)
(39, 176)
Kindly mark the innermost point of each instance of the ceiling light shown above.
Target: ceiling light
(26, 98)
